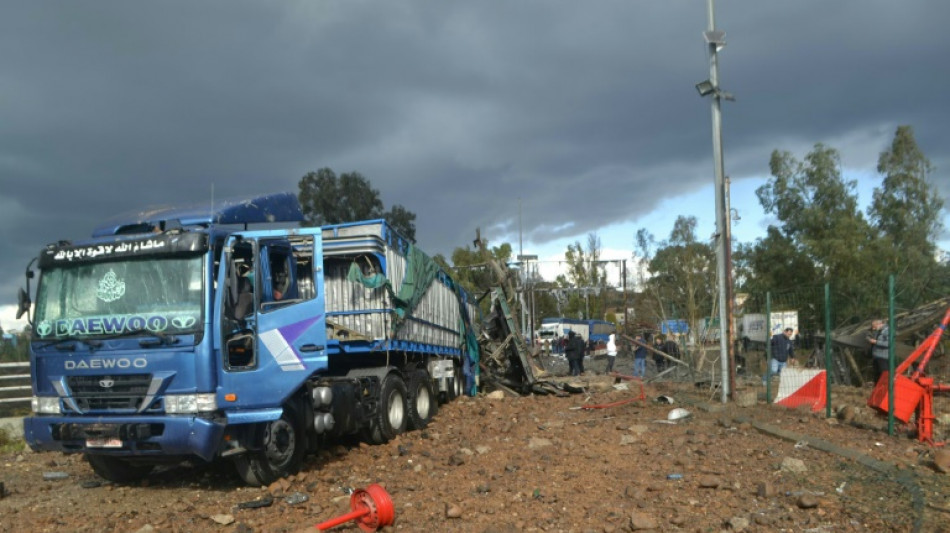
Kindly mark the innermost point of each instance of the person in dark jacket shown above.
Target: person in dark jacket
(783, 350)
(640, 358)
(880, 352)
(670, 348)
(658, 359)
(575, 353)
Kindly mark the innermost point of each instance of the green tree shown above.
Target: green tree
(403, 221)
(771, 263)
(587, 276)
(328, 199)
(906, 210)
(15, 349)
(471, 270)
(543, 294)
(681, 273)
(819, 219)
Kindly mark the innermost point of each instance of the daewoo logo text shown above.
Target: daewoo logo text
(100, 363)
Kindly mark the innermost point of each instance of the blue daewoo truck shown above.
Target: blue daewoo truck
(229, 331)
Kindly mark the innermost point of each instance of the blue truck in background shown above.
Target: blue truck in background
(229, 331)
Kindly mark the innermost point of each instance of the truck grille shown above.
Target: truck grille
(98, 393)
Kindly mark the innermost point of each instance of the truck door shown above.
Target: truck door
(272, 323)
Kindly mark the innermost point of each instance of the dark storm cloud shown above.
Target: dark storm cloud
(585, 111)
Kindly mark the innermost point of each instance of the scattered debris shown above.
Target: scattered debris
(639, 521)
(55, 476)
(266, 501)
(453, 511)
(738, 523)
(678, 414)
(664, 399)
(846, 414)
(296, 498)
(790, 464)
(937, 507)
(942, 460)
(538, 442)
(223, 519)
(807, 501)
(626, 439)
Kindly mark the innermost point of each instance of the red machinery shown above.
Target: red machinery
(915, 391)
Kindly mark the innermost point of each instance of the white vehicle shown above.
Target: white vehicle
(552, 329)
(752, 325)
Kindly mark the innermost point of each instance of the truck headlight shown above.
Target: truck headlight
(46, 405)
(190, 403)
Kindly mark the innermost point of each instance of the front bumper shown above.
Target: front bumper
(132, 436)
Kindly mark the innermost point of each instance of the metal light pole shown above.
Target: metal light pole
(715, 41)
(525, 261)
(625, 317)
(524, 312)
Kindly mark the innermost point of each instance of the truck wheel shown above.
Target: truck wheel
(453, 387)
(390, 419)
(279, 450)
(116, 469)
(422, 400)
(456, 384)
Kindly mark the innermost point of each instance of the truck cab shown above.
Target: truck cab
(139, 359)
(232, 332)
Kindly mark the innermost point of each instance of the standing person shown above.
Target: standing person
(670, 348)
(611, 353)
(582, 348)
(658, 359)
(783, 349)
(880, 353)
(640, 359)
(574, 353)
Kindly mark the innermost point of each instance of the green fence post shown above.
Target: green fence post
(828, 350)
(768, 347)
(890, 355)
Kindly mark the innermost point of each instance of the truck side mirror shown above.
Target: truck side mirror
(23, 303)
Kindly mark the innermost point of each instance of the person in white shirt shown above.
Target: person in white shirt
(611, 352)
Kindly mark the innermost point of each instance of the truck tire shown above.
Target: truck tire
(456, 385)
(279, 450)
(423, 402)
(453, 387)
(390, 419)
(116, 469)
(459, 382)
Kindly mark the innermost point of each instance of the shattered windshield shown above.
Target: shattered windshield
(155, 295)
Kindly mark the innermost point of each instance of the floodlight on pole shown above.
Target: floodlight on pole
(705, 88)
(715, 37)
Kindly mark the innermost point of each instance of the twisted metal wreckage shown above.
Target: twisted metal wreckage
(508, 363)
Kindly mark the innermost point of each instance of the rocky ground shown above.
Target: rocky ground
(605, 460)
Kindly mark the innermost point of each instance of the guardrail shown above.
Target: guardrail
(8, 375)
